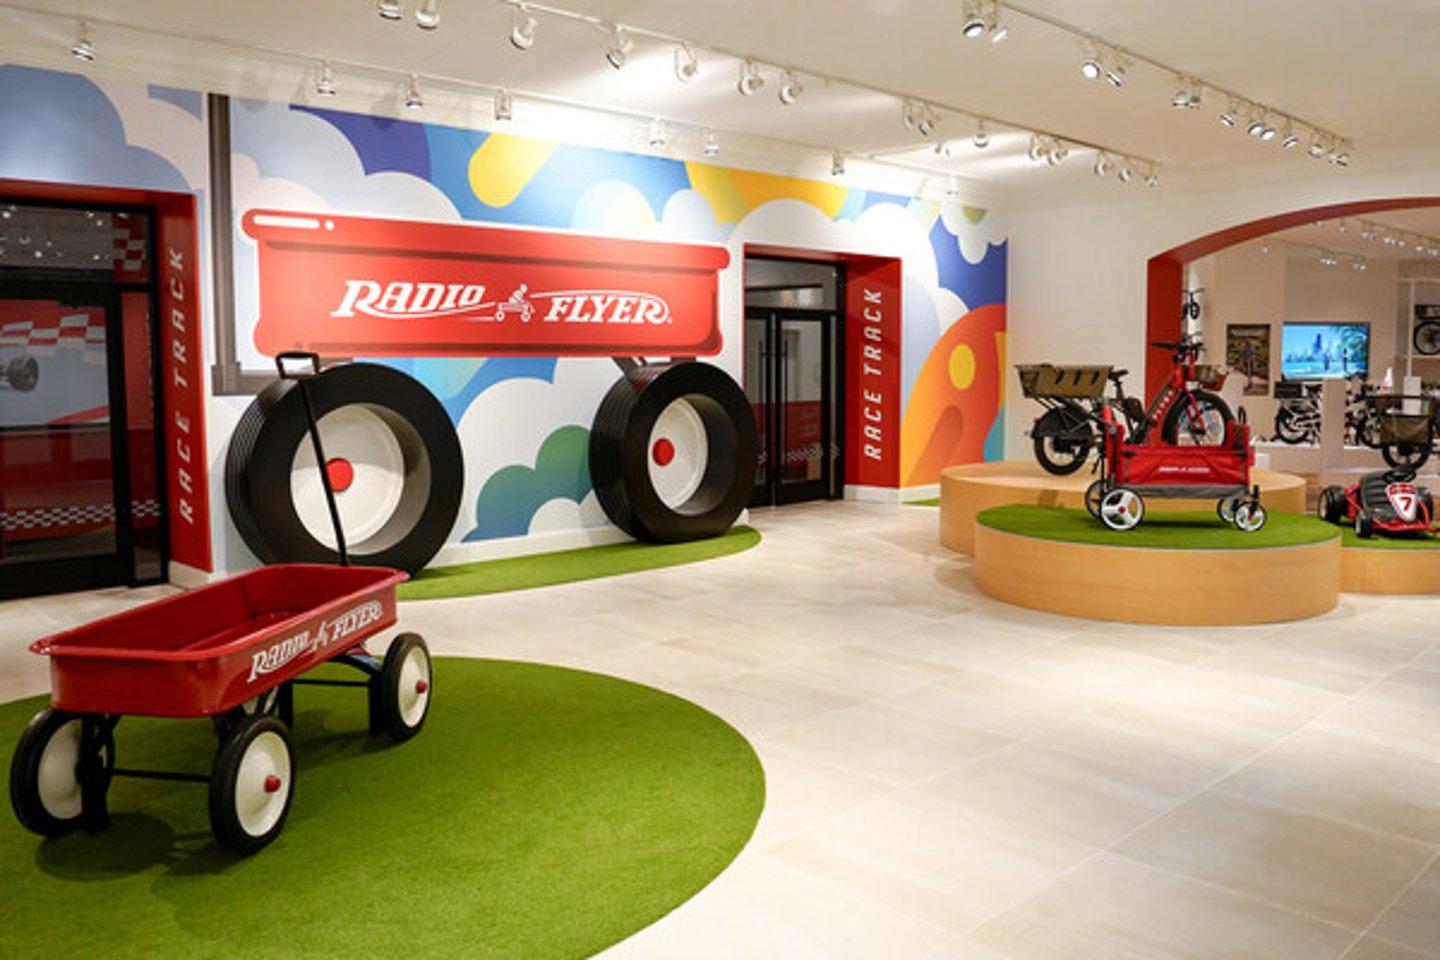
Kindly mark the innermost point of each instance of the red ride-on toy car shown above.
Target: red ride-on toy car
(1387, 501)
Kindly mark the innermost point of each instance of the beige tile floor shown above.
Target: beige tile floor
(951, 777)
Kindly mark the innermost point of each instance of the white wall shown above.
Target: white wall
(1078, 262)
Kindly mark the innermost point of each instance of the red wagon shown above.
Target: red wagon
(231, 651)
(1130, 472)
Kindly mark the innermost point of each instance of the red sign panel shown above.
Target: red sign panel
(179, 322)
(872, 370)
(353, 286)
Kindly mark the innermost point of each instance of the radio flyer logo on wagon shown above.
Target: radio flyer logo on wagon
(360, 286)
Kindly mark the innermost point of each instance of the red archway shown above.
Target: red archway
(1166, 271)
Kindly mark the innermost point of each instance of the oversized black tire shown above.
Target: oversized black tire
(23, 373)
(1208, 429)
(45, 782)
(1427, 337)
(251, 784)
(1062, 439)
(673, 452)
(1405, 456)
(394, 439)
(400, 700)
(1331, 504)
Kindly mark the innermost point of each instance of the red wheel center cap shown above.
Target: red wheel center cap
(421, 686)
(272, 783)
(341, 473)
(663, 452)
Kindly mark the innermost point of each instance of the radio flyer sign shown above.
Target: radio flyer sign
(354, 286)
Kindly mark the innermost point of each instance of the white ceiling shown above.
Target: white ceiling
(1365, 72)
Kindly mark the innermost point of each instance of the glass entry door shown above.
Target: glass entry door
(790, 379)
(80, 489)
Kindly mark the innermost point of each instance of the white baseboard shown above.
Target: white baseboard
(184, 575)
(891, 494)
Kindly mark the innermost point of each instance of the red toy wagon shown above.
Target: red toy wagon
(231, 651)
(1130, 472)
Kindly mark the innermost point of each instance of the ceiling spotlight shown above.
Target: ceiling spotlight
(711, 146)
(1256, 125)
(686, 63)
(1317, 146)
(620, 47)
(1102, 164)
(1125, 173)
(413, 100)
(750, 79)
(1268, 132)
(1115, 72)
(1152, 178)
(1341, 154)
(837, 164)
(84, 47)
(982, 136)
(391, 9)
(974, 25)
(1367, 234)
(790, 87)
(1039, 148)
(1290, 138)
(1181, 99)
(522, 29)
(998, 29)
(909, 112)
(504, 105)
(1058, 152)
(1090, 65)
(659, 136)
(1265, 246)
(1197, 95)
(944, 149)
(928, 121)
(325, 81)
(427, 14)
(1229, 115)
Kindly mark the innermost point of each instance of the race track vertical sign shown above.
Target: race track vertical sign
(872, 371)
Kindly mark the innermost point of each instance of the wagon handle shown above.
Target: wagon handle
(304, 366)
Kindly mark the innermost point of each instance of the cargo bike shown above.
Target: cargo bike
(231, 651)
(1131, 472)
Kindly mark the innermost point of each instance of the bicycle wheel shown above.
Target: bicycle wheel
(1205, 427)
(1427, 337)
(1062, 441)
(1406, 456)
(1288, 427)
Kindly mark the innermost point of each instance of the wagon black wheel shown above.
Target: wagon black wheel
(1062, 441)
(251, 784)
(1331, 505)
(673, 452)
(393, 457)
(23, 373)
(45, 782)
(403, 688)
(1225, 508)
(1205, 425)
(1405, 456)
(1427, 337)
(1093, 495)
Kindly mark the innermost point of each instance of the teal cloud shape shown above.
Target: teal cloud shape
(511, 497)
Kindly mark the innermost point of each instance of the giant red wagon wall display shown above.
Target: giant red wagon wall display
(672, 452)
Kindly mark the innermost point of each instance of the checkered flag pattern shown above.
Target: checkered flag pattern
(29, 523)
(41, 338)
(129, 247)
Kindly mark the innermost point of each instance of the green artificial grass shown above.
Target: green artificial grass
(932, 502)
(565, 566)
(1180, 530)
(541, 812)
(1380, 541)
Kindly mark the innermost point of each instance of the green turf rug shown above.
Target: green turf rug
(586, 563)
(541, 812)
(1380, 541)
(1180, 530)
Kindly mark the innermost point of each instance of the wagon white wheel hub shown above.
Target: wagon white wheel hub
(56, 782)
(366, 464)
(414, 692)
(679, 453)
(1121, 509)
(263, 784)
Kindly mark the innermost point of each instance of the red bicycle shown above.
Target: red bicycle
(1186, 408)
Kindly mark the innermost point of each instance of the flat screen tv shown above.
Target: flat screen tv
(1324, 351)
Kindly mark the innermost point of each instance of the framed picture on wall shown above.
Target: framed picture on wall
(1247, 354)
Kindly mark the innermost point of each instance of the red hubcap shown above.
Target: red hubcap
(272, 784)
(663, 452)
(342, 474)
(421, 686)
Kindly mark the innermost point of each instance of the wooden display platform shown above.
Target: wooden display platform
(1148, 585)
(966, 490)
(1389, 571)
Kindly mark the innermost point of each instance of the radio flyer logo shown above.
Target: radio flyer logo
(303, 644)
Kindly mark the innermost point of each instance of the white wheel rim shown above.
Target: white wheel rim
(357, 435)
(414, 694)
(1248, 519)
(1121, 508)
(56, 783)
(678, 453)
(256, 808)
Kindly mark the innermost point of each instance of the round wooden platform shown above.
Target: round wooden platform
(1389, 571)
(1147, 585)
(968, 489)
